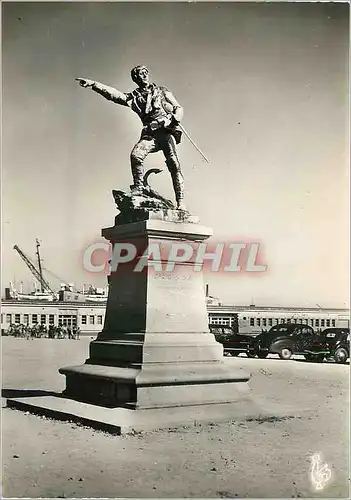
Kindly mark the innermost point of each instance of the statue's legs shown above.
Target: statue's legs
(137, 157)
(168, 145)
(147, 145)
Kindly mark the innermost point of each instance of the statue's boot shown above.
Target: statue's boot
(181, 205)
(137, 172)
(177, 180)
(137, 190)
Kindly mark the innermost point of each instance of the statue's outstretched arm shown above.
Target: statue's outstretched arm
(178, 111)
(109, 93)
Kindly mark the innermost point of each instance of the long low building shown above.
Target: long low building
(89, 317)
(254, 319)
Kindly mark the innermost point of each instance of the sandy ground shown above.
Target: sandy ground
(46, 458)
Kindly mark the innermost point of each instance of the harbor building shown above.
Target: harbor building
(89, 317)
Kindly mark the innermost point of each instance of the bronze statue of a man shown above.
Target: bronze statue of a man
(160, 114)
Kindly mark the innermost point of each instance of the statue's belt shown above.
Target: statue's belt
(174, 130)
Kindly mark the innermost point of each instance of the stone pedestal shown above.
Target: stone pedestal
(155, 350)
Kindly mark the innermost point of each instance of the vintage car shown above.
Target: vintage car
(233, 343)
(284, 339)
(331, 343)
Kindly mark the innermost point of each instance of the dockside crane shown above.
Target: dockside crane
(38, 275)
(41, 268)
(39, 265)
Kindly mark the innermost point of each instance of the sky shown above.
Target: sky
(264, 88)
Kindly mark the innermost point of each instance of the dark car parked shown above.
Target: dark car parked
(233, 343)
(331, 343)
(285, 340)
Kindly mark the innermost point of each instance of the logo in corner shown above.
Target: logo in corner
(320, 473)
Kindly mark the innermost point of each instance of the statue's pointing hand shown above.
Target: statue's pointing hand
(84, 82)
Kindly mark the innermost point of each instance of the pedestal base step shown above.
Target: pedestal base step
(123, 421)
(164, 385)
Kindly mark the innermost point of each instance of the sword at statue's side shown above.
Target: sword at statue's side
(193, 143)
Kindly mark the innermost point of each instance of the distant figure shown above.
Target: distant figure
(160, 114)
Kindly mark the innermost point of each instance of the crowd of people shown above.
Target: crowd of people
(42, 331)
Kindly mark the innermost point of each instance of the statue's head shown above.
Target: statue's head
(140, 75)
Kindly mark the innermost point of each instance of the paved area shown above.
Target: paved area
(255, 458)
